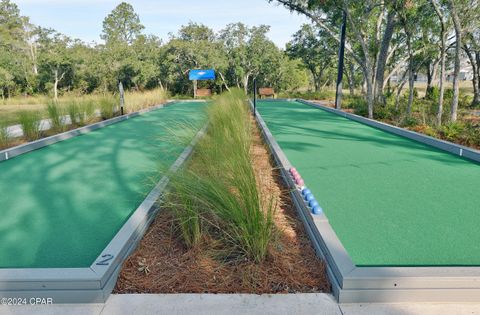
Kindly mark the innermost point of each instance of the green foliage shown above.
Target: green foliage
(316, 49)
(415, 92)
(220, 186)
(56, 116)
(448, 94)
(452, 131)
(409, 121)
(30, 122)
(432, 93)
(122, 25)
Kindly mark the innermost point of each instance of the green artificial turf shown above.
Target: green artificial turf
(62, 204)
(390, 200)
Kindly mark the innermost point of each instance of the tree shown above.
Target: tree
(472, 49)
(54, 59)
(122, 25)
(315, 49)
(194, 47)
(248, 52)
(365, 21)
(13, 58)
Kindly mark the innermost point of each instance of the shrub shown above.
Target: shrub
(448, 94)
(432, 93)
(409, 121)
(452, 130)
(360, 107)
(30, 122)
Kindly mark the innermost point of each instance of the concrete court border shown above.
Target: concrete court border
(352, 284)
(95, 283)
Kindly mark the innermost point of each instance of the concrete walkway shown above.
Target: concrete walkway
(232, 304)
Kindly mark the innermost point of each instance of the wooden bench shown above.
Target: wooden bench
(266, 92)
(204, 92)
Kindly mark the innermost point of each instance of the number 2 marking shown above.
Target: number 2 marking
(105, 260)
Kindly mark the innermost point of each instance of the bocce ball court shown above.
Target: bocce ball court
(401, 215)
(72, 210)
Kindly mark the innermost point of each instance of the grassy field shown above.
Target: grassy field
(10, 108)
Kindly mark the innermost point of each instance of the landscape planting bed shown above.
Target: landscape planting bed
(400, 219)
(72, 211)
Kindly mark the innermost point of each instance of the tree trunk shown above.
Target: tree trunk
(399, 90)
(382, 57)
(33, 55)
(411, 78)
(443, 38)
(245, 83)
(316, 81)
(429, 77)
(456, 71)
(411, 83)
(369, 94)
(476, 96)
(195, 88)
(224, 82)
(435, 71)
(55, 85)
(477, 58)
(351, 78)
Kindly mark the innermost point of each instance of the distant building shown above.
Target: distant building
(466, 73)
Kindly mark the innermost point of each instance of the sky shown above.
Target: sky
(83, 18)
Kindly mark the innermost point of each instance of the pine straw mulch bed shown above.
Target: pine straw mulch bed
(162, 264)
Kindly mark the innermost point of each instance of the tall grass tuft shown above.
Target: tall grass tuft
(107, 107)
(88, 110)
(4, 136)
(73, 111)
(220, 186)
(30, 122)
(135, 101)
(57, 119)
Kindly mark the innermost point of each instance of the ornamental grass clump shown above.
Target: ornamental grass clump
(73, 111)
(55, 114)
(107, 107)
(218, 193)
(4, 136)
(30, 122)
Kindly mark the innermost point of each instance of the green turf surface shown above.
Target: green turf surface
(391, 201)
(62, 204)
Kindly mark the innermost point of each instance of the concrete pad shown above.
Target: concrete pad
(55, 309)
(410, 309)
(231, 304)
